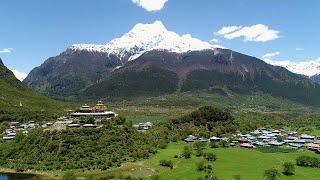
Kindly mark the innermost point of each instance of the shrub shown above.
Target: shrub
(199, 152)
(288, 168)
(209, 168)
(214, 144)
(224, 143)
(201, 166)
(210, 156)
(307, 161)
(166, 163)
(156, 177)
(163, 145)
(199, 145)
(237, 177)
(271, 174)
(119, 120)
(210, 176)
(186, 152)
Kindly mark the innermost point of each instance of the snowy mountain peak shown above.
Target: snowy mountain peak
(308, 68)
(145, 37)
(156, 26)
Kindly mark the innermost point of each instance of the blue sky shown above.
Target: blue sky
(33, 30)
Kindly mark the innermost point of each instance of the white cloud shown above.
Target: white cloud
(257, 33)
(227, 30)
(6, 50)
(299, 49)
(150, 5)
(19, 75)
(214, 40)
(269, 55)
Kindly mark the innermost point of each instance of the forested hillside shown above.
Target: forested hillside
(20, 103)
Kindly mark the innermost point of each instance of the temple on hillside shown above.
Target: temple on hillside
(99, 110)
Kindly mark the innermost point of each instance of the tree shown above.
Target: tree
(119, 120)
(210, 156)
(201, 166)
(224, 143)
(271, 174)
(186, 152)
(288, 168)
(87, 120)
(166, 163)
(214, 144)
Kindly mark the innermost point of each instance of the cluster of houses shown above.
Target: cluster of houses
(143, 126)
(14, 127)
(62, 123)
(266, 137)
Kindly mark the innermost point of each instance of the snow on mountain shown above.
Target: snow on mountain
(146, 37)
(308, 68)
(19, 75)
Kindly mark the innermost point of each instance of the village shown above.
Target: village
(261, 137)
(96, 115)
(264, 137)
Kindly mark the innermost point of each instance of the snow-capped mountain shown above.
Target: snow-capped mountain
(146, 37)
(150, 60)
(19, 75)
(308, 68)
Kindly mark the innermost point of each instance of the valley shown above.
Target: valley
(119, 90)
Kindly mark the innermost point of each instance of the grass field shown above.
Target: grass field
(250, 164)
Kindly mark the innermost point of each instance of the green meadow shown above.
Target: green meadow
(250, 164)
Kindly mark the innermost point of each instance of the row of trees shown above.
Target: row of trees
(273, 173)
(307, 161)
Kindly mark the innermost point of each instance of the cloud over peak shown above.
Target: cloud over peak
(272, 54)
(6, 50)
(257, 33)
(150, 5)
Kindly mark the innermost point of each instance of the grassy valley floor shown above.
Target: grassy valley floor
(163, 108)
(250, 164)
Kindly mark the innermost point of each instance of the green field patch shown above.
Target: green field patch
(249, 164)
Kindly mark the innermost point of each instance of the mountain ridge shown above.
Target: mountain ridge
(149, 57)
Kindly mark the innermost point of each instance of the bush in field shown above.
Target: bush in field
(199, 152)
(237, 177)
(307, 161)
(214, 144)
(166, 163)
(186, 152)
(156, 177)
(224, 143)
(201, 166)
(210, 176)
(271, 174)
(288, 168)
(210, 156)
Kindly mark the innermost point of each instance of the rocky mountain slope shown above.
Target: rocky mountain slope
(159, 72)
(310, 69)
